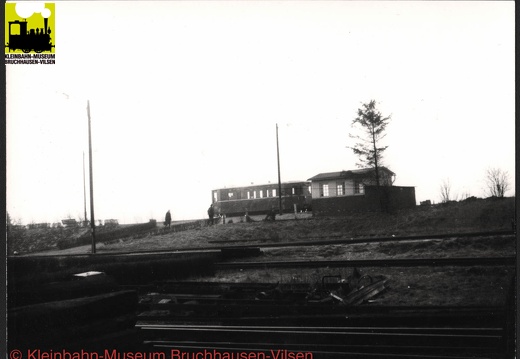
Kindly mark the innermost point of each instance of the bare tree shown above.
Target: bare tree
(445, 190)
(497, 182)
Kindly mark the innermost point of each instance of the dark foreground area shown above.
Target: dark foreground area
(248, 297)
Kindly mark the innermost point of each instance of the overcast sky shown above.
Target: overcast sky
(185, 97)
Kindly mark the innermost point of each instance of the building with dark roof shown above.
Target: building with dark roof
(356, 190)
(348, 183)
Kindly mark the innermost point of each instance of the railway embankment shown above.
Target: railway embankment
(471, 215)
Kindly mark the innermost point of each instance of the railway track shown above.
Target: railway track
(329, 342)
(311, 241)
(405, 262)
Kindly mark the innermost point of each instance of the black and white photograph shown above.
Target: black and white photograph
(260, 179)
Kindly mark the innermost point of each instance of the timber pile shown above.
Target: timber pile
(233, 303)
(89, 313)
(337, 318)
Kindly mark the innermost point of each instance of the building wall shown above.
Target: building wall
(392, 198)
(349, 187)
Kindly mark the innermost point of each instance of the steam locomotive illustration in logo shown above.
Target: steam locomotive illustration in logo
(20, 38)
(29, 36)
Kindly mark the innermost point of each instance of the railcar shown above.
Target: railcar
(260, 199)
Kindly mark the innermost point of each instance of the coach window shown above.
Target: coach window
(214, 196)
(261, 193)
(254, 194)
(248, 195)
(274, 193)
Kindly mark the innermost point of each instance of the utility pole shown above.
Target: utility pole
(92, 220)
(84, 192)
(279, 180)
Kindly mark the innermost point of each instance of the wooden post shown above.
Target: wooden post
(279, 178)
(92, 220)
(84, 193)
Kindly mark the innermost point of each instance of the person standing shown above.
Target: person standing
(211, 214)
(168, 219)
(271, 215)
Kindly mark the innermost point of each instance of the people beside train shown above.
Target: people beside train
(211, 214)
(168, 219)
(271, 215)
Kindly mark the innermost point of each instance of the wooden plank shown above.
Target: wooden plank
(32, 320)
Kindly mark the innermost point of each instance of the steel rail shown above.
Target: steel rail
(369, 340)
(405, 262)
(351, 240)
(370, 331)
(305, 311)
(324, 328)
(320, 351)
(363, 239)
(325, 338)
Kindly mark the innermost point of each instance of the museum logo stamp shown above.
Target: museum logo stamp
(30, 33)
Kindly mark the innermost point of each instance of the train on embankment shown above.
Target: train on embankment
(285, 197)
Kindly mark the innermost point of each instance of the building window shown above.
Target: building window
(230, 195)
(293, 191)
(274, 193)
(358, 187)
(214, 196)
(340, 187)
(325, 190)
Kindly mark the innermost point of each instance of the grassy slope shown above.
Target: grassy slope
(467, 216)
(474, 216)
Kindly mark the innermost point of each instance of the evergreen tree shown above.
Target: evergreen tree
(372, 125)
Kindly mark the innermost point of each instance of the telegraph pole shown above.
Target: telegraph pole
(279, 180)
(84, 192)
(92, 220)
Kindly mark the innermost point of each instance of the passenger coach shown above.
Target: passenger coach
(259, 199)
